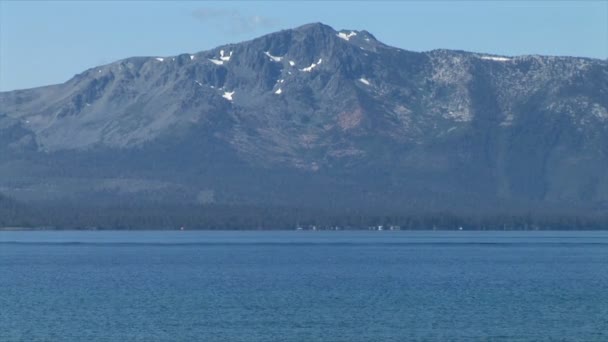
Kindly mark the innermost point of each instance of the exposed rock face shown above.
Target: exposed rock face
(312, 116)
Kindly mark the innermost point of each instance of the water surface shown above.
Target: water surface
(303, 286)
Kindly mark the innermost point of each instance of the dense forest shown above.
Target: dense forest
(232, 217)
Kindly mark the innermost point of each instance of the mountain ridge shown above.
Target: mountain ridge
(481, 53)
(315, 110)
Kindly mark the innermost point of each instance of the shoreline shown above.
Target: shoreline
(47, 229)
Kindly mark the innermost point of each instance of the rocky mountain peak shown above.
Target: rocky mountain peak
(336, 107)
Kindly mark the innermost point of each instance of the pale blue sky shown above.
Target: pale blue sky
(48, 42)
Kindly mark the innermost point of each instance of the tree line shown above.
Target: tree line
(249, 217)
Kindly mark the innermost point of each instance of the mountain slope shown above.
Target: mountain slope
(316, 117)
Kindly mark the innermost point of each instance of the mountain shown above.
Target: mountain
(318, 118)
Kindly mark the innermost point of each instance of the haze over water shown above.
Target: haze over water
(303, 286)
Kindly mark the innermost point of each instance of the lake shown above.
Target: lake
(303, 286)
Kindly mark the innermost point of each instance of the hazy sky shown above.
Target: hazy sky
(48, 42)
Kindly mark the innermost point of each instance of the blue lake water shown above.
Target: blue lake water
(303, 286)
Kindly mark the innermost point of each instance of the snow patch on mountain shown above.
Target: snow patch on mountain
(279, 91)
(312, 66)
(228, 95)
(225, 57)
(160, 59)
(273, 58)
(497, 59)
(346, 36)
(364, 81)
